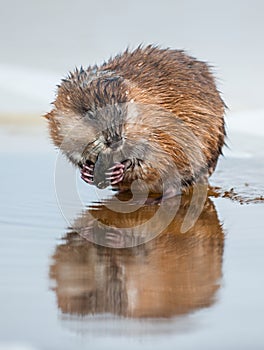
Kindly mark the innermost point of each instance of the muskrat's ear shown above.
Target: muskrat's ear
(48, 115)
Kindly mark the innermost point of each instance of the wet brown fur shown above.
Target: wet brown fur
(180, 115)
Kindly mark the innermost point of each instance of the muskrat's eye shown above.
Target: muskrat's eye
(87, 113)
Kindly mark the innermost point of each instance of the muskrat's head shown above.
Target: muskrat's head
(87, 120)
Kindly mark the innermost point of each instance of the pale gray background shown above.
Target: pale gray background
(42, 40)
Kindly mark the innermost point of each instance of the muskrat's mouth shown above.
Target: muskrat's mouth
(112, 176)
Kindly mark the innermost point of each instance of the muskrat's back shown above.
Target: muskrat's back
(181, 84)
(151, 114)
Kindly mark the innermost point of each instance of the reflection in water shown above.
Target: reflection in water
(172, 274)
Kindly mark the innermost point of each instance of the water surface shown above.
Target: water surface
(58, 290)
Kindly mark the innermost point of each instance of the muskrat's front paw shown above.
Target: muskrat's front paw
(87, 173)
(115, 174)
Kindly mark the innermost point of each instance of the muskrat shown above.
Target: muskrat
(152, 115)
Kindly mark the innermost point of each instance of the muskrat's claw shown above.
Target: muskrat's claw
(115, 174)
(87, 173)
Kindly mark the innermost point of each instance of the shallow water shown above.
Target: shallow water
(199, 289)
